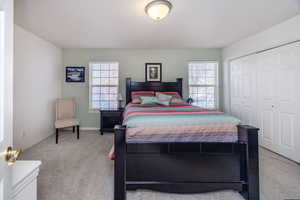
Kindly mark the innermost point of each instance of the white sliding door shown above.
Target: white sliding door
(268, 64)
(287, 105)
(264, 93)
(243, 89)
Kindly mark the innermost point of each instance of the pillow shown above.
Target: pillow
(162, 96)
(163, 103)
(148, 100)
(136, 99)
(163, 99)
(176, 98)
(143, 93)
(173, 94)
(135, 96)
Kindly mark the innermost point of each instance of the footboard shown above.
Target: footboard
(188, 167)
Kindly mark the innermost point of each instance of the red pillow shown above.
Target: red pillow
(173, 94)
(135, 96)
(143, 93)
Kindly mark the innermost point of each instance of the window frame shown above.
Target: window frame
(216, 85)
(91, 109)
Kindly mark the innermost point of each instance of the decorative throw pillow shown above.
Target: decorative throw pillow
(143, 93)
(173, 94)
(136, 96)
(176, 98)
(163, 99)
(148, 100)
(163, 103)
(136, 99)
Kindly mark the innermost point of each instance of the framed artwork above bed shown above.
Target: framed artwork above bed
(153, 72)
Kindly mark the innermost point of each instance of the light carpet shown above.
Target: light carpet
(80, 170)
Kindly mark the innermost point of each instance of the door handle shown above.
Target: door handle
(11, 155)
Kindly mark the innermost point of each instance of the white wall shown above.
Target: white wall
(37, 74)
(282, 33)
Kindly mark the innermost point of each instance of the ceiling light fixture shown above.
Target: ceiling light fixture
(158, 9)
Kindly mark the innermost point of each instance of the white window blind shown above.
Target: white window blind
(203, 83)
(104, 85)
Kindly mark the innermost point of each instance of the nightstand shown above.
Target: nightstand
(109, 118)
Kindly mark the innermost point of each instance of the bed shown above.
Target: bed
(150, 156)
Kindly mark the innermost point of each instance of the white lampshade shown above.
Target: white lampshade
(158, 9)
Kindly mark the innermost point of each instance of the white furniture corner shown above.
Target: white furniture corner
(24, 180)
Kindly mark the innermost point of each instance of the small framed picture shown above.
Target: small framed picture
(153, 72)
(75, 74)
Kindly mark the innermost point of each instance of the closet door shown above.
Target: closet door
(265, 92)
(243, 90)
(287, 107)
(268, 64)
(236, 87)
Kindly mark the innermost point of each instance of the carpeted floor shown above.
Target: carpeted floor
(79, 170)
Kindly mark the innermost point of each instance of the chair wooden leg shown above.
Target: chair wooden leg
(78, 132)
(73, 129)
(56, 136)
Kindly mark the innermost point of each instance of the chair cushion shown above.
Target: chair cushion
(66, 123)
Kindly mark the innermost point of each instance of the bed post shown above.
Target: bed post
(128, 86)
(248, 141)
(179, 85)
(120, 163)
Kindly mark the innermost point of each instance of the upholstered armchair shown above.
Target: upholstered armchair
(65, 115)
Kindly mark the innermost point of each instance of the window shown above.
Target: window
(203, 82)
(104, 85)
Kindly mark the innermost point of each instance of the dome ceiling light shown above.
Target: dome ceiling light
(158, 9)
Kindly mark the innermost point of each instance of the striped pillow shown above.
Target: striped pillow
(135, 96)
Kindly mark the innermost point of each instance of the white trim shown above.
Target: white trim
(84, 128)
(2, 30)
(95, 111)
(90, 83)
(89, 128)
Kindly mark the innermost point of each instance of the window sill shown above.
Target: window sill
(93, 111)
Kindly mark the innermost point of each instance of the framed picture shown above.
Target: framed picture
(75, 74)
(153, 72)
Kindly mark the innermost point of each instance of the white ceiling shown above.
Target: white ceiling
(123, 23)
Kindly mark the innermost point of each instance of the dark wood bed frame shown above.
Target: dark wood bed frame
(185, 167)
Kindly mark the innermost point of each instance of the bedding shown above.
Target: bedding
(178, 123)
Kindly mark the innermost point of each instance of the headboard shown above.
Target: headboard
(152, 86)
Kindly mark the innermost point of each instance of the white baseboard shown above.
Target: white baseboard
(85, 129)
(89, 128)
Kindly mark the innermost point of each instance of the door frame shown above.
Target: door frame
(6, 90)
